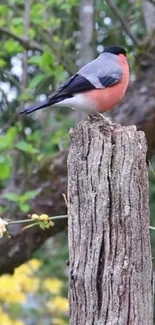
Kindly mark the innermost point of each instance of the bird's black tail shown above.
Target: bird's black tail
(46, 103)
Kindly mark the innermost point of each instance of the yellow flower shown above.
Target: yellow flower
(3, 224)
(15, 297)
(34, 264)
(58, 304)
(10, 290)
(29, 268)
(18, 322)
(6, 320)
(29, 284)
(13, 288)
(34, 216)
(44, 217)
(53, 285)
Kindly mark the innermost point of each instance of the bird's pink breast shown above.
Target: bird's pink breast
(107, 98)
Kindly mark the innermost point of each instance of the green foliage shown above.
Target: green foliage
(7, 140)
(5, 167)
(26, 147)
(36, 80)
(25, 143)
(21, 200)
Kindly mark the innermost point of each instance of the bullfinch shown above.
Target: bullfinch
(97, 87)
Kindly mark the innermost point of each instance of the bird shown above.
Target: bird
(96, 88)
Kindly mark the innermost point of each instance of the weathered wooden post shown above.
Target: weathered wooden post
(109, 244)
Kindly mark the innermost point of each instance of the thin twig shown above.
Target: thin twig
(118, 14)
(32, 220)
(152, 228)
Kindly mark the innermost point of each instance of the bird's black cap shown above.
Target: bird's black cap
(115, 50)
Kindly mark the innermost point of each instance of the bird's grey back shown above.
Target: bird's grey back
(106, 65)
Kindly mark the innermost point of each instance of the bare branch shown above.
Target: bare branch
(33, 45)
(118, 14)
(15, 9)
(152, 1)
(148, 8)
(27, 44)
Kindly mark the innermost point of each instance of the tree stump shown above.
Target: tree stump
(109, 243)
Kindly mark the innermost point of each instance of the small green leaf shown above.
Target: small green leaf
(24, 207)
(36, 80)
(40, 157)
(2, 63)
(11, 134)
(4, 142)
(32, 32)
(10, 46)
(26, 147)
(4, 9)
(29, 195)
(5, 171)
(2, 210)
(7, 140)
(11, 196)
(45, 225)
(47, 60)
(44, 61)
(17, 20)
(35, 59)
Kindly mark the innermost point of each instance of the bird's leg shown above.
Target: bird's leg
(94, 115)
(97, 116)
(101, 115)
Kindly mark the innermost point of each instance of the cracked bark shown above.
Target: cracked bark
(109, 242)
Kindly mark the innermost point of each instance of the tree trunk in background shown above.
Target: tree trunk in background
(86, 46)
(109, 241)
(149, 16)
(26, 18)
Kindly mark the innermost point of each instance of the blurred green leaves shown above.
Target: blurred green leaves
(6, 144)
(21, 199)
(36, 80)
(26, 147)
(7, 140)
(5, 167)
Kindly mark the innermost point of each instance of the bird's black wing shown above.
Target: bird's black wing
(72, 86)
